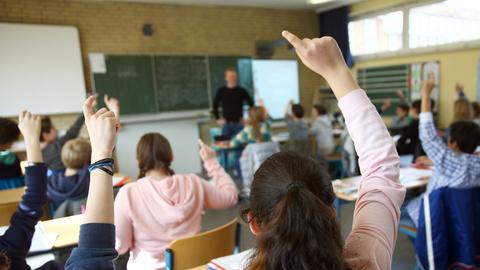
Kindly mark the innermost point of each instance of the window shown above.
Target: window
(381, 33)
(443, 23)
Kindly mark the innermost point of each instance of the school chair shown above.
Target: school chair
(448, 233)
(200, 249)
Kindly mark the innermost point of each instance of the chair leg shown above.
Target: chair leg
(337, 208)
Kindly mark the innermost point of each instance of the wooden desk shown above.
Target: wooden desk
(203, 267)
(9, 201)
(68, 229)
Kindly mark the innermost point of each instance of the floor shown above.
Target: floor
(403, 258)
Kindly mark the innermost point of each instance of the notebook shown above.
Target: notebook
(233, 262)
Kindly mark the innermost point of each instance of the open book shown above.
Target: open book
(233, 262)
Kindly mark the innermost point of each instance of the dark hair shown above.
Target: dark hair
(154, 152)
(47, 125)
(476, 109)
(320, 109)
(298, 110)
(9, 131)
(404, 107)
(291, 201)
(466, 134)
(417, 105)
(4, 261)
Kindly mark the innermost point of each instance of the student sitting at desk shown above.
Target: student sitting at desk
(291, 197)
(15, 243)
(52, 144)
(74, 182)
(454, 163)
(258, 128)
(297, 127)
(162, 206)
(322, 130)
(10, 171)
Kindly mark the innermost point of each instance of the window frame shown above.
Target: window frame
(406, 50)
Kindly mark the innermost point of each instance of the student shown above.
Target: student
(10, 171)
(476, 112)
(454, 163)
(180, 198)
(401, 119)
(291, 199)
(74, 182)
(462, 110)
(15, 243)
(297, 128)
(258, 128)
(322, 130)
(52, 144)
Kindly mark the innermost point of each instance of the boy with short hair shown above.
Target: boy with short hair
(322, 130)
(72, 184)
(455, 165)
(401, 119)
(297, 127)
(10, 171)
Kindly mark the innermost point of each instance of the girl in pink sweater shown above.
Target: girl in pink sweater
(291, 197)
(163, 206)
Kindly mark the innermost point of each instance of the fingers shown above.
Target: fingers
(105, 98)
(293, 39)
(88, 107)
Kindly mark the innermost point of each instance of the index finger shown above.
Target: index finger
(88, 107)
(293, 39)
(201, 143)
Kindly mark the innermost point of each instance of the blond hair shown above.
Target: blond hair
(76, 153)
(462, 110)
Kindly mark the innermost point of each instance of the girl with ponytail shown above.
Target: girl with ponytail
(291, 201)
(162, 206)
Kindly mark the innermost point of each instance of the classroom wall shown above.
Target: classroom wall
(455, 65)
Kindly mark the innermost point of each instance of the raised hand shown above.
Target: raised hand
(427, 87)
(459, 88)
(386, 104)
(101, 126)
(323, 56)
(112, 104)
(30, 126)
(206, 152)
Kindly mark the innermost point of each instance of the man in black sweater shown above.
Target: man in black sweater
(232, 98)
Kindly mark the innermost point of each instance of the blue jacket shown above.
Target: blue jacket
(61, 188)
(455, 229)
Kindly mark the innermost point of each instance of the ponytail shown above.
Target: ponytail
(154, 152)
(291, 203)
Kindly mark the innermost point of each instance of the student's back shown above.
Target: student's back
(322, 130)
(163, 206)
(297, 127)
(10, 171)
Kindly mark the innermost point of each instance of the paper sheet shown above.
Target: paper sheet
(97, 63)
(41, 241)
(232, 262)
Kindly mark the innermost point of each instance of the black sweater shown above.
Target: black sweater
(16, 241)
(232, 100)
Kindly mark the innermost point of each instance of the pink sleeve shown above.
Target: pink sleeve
(377, 210)
(221, 191)
(123, 223)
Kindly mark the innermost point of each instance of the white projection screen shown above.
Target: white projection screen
(276, 82)
(40, 69)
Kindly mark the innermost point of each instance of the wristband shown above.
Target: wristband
(103, 164)
(29, 164)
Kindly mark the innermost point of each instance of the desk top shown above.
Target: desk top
(68, 229)
(9, 196)
(347, 188)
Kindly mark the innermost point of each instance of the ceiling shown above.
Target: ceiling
(282, 4)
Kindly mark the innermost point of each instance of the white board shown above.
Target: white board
(40, 69)
(276, 82)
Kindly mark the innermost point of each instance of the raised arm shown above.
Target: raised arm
(221, 191)
(17, 239)
(96, 247)
(73, 131)
(377, 210)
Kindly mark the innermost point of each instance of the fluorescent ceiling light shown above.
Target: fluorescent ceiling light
(316, 2)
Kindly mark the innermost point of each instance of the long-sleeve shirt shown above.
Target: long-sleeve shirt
(323, 131)
(52, 152)
(451, 169)
(371, 243)
(232, 100)
(16, 241)
(246, 136)
(149, 214)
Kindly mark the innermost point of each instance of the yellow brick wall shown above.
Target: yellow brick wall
(112, 27)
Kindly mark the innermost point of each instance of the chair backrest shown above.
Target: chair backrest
(200, 249)
(448, 233)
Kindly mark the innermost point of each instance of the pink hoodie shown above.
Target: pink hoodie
(149, 214)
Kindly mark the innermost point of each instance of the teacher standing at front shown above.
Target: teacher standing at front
(232, 98)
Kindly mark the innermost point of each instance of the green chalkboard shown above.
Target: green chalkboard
(181, 83)
(217, 66)
(129, 78)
